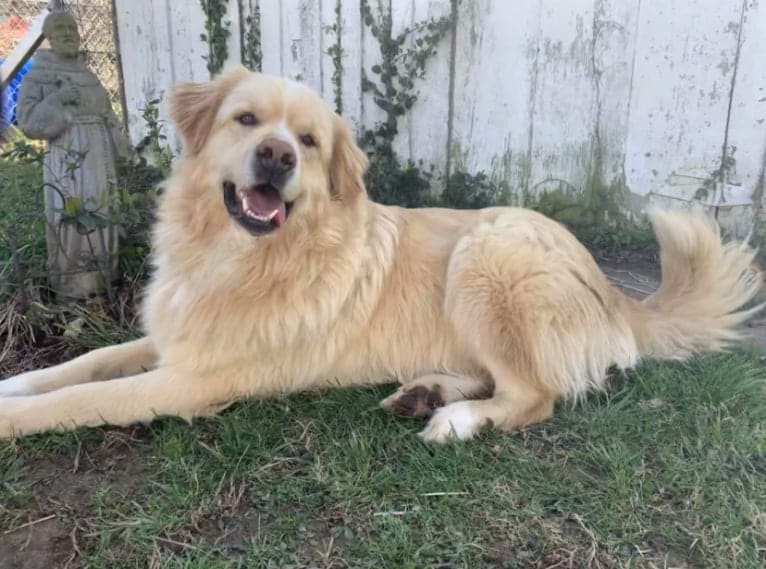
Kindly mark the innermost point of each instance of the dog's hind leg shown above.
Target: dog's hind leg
(517, 402)
(111, 362)
(424, 395)
(532, 308)
(165, 391)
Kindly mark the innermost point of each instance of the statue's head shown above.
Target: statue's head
(60, 29)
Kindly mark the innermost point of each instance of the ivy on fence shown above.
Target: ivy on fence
(217, 33)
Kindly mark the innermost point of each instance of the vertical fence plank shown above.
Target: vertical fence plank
(186, 25)
(740, 196)
(301, 42)
(271, 37)
(234, 42)
(562, 132)
(423, 128)
(429, 117)
(371, 113)
(614, 57)
(582, 92)
(402, 19)
(146, 57)
(328, 37)
(494, 83)
(351, 56)
(680, 96)
(747, 124)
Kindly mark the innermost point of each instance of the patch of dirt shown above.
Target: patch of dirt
(46, 531)
(235, 517)
(640, 277)
(46, 352)
(637, 278)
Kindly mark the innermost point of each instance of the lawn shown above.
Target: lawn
(666, 469)
(21, 209)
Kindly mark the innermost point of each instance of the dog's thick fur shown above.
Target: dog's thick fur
(484, 316)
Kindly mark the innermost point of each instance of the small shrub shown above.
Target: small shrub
(473, 191)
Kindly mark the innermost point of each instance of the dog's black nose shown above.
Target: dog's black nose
(275, 157)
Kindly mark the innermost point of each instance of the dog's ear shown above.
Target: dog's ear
(348, 164)
(193, 106)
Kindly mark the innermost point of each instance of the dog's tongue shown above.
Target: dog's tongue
(265, 204)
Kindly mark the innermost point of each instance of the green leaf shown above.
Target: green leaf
(73, 206)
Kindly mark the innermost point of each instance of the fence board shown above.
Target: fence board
(146, 58)
(351, 56)
(747, 125)
(371, 56)
(187, 51)
(423, 133)
(685, 53)
(301, 42)
(234, 41)
(494, 86)
(271, 37)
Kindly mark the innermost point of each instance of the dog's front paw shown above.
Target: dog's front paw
(457, 421)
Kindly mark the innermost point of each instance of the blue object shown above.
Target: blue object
(10, 95)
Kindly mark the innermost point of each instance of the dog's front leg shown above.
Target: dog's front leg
(166, 391)
(122, 360)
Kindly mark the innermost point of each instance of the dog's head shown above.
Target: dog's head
(278, 150)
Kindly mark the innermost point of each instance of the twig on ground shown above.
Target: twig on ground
(396, 512)
(76, 465)
(174, 542)
(29, 524)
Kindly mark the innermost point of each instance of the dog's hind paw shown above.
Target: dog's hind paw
(458, 421)
(414, 401)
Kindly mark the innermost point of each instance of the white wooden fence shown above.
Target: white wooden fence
(673, 92)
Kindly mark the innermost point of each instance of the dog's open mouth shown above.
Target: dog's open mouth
(259, 209)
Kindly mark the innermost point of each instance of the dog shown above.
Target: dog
(274, 273)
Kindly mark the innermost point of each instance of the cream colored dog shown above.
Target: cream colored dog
(274, 273)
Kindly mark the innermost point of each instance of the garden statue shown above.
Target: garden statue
(63, 102)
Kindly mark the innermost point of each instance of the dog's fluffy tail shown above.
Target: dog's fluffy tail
(705, 285)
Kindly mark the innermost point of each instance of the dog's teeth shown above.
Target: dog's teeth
(251, 214)
(272, 215)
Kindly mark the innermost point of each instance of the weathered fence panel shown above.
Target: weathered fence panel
(160, 45)
(666, 100)
(685, 59)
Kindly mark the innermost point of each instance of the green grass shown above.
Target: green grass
(21, 209)
(665, 469)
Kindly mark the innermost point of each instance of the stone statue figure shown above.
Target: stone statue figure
(63, 102)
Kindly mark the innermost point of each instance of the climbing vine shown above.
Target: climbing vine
(392, 86)
(335, 51)
(217, 33)
(252, 54)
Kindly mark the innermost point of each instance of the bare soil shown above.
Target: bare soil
(56, 518)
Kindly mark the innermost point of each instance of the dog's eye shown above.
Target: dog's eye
(308, 140)
(247, 119)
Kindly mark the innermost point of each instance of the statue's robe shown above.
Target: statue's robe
(84, 141)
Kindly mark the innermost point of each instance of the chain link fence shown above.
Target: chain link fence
(95, 20)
